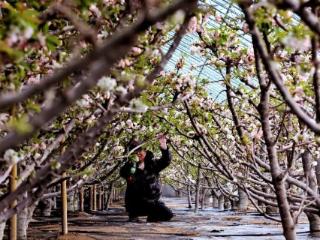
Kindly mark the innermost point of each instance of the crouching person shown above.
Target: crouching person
(143, 185)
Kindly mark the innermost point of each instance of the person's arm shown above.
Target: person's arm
(165, 159)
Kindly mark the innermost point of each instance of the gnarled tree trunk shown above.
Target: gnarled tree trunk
(47, 207)
(227, 204)
(22, 225)
(221, 202)
(24, 218)
(204, 198)
(311, 179)
(243, 200)
(215, 202)
(71, 202)
(2, 227)
(109, 196)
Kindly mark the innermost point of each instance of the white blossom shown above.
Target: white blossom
(11, 156)
(297, 44)
(107, 84)
(195, 50)
(83, 103)
(129, 123)
(138, 105)
(95, 10)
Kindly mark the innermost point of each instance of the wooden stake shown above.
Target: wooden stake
(13, 219)
(81, 200)
(64, 205)
(102, 198)
(99, 198)
(94, 197)
(91, 198)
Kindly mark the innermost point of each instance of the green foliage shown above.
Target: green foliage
(20, 124)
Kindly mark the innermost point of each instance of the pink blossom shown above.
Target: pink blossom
(13, 38)
(136, 51)
(93, 8)
(4, 117)
(124, 63)
(218, 18)
(298, 44)
(34, 79)
(162, 73)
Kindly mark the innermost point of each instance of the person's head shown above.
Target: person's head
(135, 144)
(141, 155)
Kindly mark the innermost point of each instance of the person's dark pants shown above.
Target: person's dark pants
(155, 210)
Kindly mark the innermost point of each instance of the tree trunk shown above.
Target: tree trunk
(24, 218)
(234, 204)
(197, 189)
(54, 199)
(270, 209)
(22, 224)
(71, 202)
(105, 196)
(109, 199)
(189, 196)
(221, 202)
(203, 199)
(115, 198)
(311, 179)
(243, 200)
(2, 227)
(215, 202)
(288, 225)
(75, 200)
(318, 174)
(46, 211)
(227, 204)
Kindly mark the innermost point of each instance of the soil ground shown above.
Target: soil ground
(206, 224)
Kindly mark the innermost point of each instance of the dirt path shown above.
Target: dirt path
(207, 224)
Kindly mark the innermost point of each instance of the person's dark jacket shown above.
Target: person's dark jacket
(144, 185)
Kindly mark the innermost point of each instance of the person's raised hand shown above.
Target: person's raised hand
(163, 141)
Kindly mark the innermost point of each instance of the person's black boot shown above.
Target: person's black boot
(152, 219)
(134, 219)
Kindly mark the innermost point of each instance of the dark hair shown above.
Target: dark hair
(133, 144)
